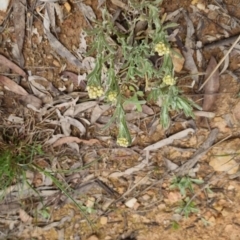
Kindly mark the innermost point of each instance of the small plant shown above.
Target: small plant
(184, 184)
(186, 207)
(205, 222)
(123, 64)
(175, 225)
(15, 160)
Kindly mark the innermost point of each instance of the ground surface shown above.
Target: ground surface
(118, 175)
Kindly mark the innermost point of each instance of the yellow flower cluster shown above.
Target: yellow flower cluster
(94, 91)
(123, 142)
(162, 49)
(169, 80)
(112, 96)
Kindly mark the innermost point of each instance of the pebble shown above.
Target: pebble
(56, 63)
(146, 197)
(90, 202)
(230, 188)
(212, 220)
(103, 220)
(93, 237)
(130, 203)
(67, 6)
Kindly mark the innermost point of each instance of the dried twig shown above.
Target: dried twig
(218, 65)
(204, 148)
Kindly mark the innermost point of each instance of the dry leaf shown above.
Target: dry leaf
(170, 165)
(211, 87)
(172, 15)
(30, 100)
(19, 8)
(24, 217)
(135, 115)
(10, 85)
(65, 140)
(77, 124)
(77, 80)
(188, 55)
(39, 90)
(69, 112)
(4, 61)
(174, 197)
(15, 119)
(147, 110)
(178, 61)
(224, 164)
(81, 107)
(53, 139)
(98, 111)
(121, 4)
(86, 11)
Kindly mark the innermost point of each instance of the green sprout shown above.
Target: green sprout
(184, 184)
(186, 207)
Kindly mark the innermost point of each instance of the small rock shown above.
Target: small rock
(201, 6)
(90, 202)
(50, 57)
(130, 203)
(121, 190)
(225, 213)
(161, 206)
(107, 238)
(106, 204)
(56, 63)
(229, 228)
(212, 220)
(145, 197)
(230, 188)
(236, 111)
(93, 237)
(67, 6)
(174, 197)
(103, 220)
(76, 226)
(218, 208)
(136, 206)
(176, 217)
